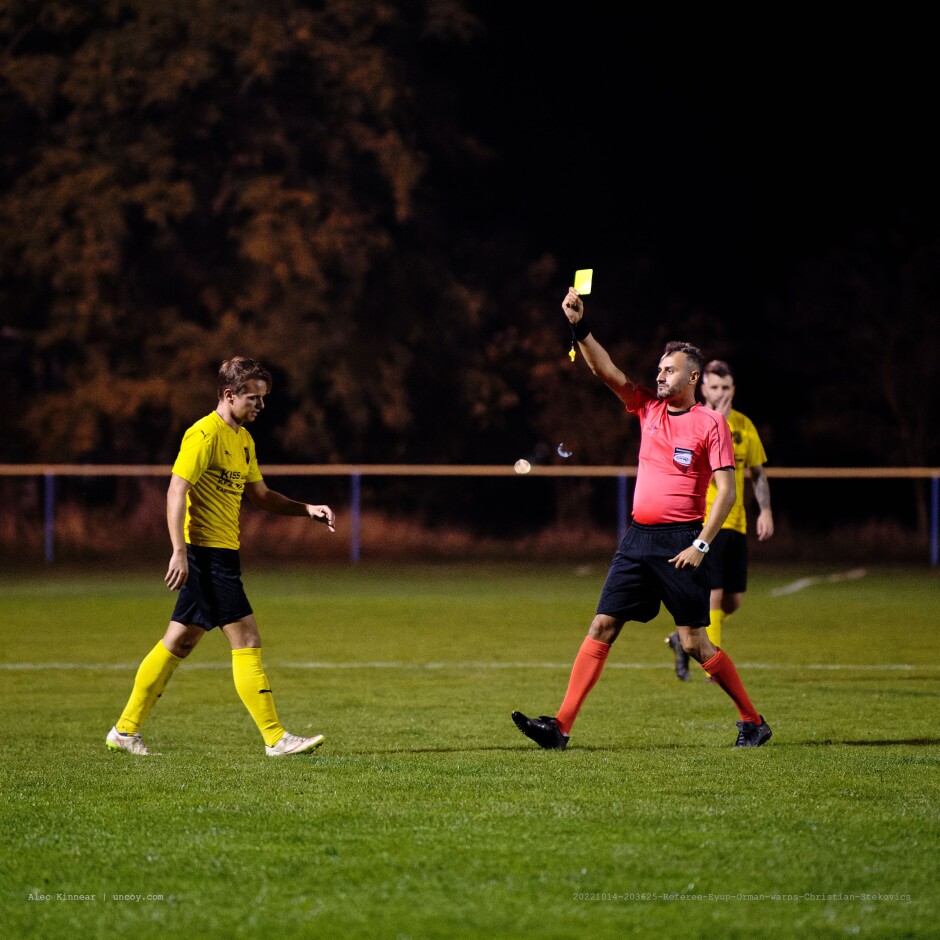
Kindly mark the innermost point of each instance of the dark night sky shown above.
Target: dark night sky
(726, 149)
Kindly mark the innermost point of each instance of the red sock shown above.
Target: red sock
(587, 668)
(723, 671)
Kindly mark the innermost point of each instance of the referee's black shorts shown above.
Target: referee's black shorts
(641, 578)
(213, 594)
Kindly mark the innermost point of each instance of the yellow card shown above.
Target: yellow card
(582, 280)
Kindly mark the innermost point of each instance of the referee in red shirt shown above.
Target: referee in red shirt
(662, 557)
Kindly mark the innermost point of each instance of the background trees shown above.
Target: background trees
(321, 184)
(185, 181)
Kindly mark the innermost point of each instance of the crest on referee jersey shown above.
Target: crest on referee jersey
(682, 456)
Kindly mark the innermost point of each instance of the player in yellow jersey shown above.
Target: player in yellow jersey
(215, 467)
(728, 556)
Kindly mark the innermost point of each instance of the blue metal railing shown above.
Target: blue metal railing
(49, 474)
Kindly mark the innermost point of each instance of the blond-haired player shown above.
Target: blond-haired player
(215, 467)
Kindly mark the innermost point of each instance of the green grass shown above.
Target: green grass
(427, 814)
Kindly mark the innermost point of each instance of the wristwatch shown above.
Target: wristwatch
(701, 545)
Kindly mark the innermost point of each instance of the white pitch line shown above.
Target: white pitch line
(433, 666)
(853, 575)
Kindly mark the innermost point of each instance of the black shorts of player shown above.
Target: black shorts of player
(727, 562)
(641, 578)
(213, 594)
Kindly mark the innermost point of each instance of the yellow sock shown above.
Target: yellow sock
(152, 676)
(714, 628)
(254, 690)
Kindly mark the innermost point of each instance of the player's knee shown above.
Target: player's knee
(604, 629)
(181, 648)
(697, 644)
(181, 640)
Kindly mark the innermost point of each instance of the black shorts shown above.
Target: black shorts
(728, 562)
(640, 576)
(213, 594)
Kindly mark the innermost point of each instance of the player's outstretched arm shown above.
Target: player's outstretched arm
(274, 502)
(322, 514)
(594, 354)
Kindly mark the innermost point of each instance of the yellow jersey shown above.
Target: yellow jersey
(218, 461)
(748, 452)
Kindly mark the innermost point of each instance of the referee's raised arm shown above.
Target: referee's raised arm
(594, 354)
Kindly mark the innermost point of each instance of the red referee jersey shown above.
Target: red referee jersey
(678, 455)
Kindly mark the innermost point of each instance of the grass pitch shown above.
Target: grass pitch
(426, 813)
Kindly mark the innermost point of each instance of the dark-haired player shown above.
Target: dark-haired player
(728, 557)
